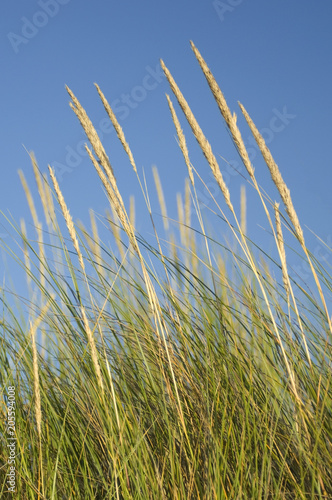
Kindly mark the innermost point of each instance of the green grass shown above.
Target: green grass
(186, 369)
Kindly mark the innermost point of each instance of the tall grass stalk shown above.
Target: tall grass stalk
(195, 367)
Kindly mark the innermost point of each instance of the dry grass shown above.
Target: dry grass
(276, 176)
(72, 233)
(200, 137)
(210, 376)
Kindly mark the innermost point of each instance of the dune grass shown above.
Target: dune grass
(187, 369)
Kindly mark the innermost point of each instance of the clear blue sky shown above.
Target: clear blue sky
(275, 57)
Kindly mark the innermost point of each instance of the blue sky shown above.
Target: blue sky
(275, 57)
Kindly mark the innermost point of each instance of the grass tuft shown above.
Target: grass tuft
(192, 368)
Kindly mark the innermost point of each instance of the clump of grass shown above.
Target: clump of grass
(189, 369)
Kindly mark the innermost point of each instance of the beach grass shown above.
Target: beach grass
(185, 369)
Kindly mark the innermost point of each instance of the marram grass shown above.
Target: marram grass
(191, 369)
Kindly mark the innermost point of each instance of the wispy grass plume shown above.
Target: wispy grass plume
(189, 366)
